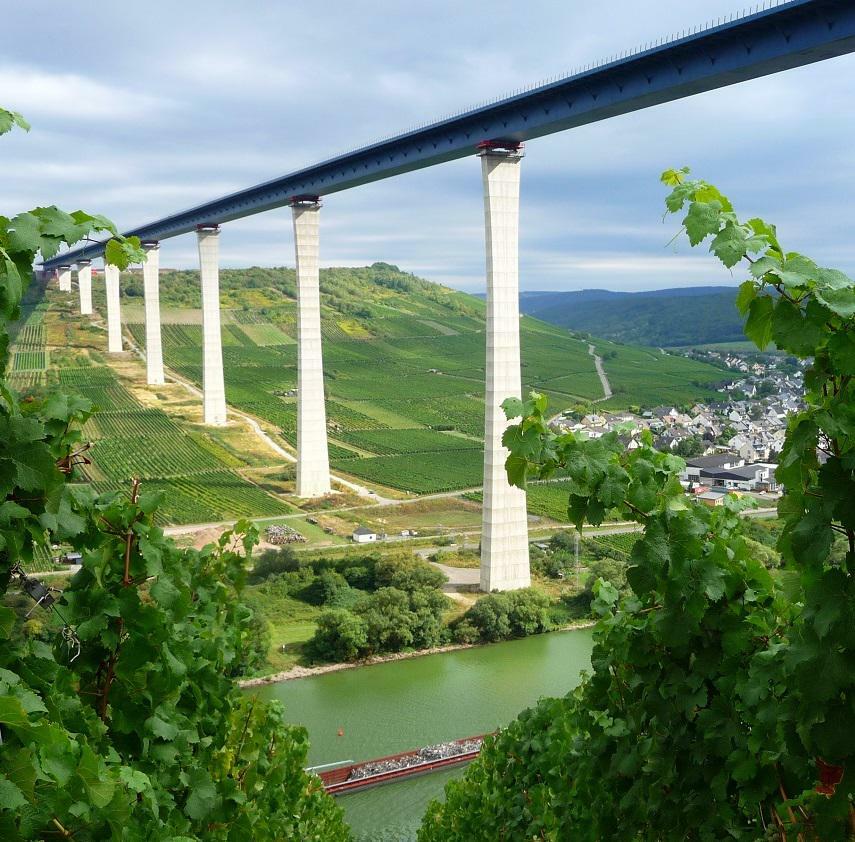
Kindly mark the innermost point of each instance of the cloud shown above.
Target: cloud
(73, 97)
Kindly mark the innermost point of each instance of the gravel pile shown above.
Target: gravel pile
(440, 751)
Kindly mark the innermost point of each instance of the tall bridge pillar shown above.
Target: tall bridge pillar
(151, 291)
(114, 314)
(64, 275)
(504, 528)
(84, 286)
(313, 465)
(213, 386)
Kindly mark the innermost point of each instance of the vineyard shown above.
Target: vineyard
(404, 364)
(29, 349)
(620, 544)
(195, 471)
(206, 498)
(422, 473)
(404, 367)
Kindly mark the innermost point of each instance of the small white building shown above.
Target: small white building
(364, 535)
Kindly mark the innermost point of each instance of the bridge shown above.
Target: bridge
(772, 37)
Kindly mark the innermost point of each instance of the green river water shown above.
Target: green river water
(402, 705)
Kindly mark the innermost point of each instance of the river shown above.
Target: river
(400, 705)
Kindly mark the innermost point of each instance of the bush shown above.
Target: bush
(406, 573)
(340, 636)
(272, 563)
(324, 589)
(465, 632)
(360, 576)
(500, 616)
(392, 619)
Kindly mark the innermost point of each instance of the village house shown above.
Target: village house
(364, 535)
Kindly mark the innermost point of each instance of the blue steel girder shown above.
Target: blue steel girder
(794, 34)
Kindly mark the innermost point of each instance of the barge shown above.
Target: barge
(395, 767)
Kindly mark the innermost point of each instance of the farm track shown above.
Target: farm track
(601, 373)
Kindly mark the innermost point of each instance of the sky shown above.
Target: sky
(139, 116)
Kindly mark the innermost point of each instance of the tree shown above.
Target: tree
(272, 563)
(406, 572)
(126, 724)
(340, 636)
(503, 615)
(720, 703)
(690, 446)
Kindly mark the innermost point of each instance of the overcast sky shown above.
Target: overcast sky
(137, 117)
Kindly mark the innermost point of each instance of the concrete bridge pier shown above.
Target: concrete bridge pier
(151, 291)
(64, 275)
(313, 466)
(114, 314)
(213, 386)
(84, 286)
(504, 529)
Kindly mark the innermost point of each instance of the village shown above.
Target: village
(730, 445)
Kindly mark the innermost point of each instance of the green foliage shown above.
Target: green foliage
(140, 735)
(690, 446)
(500, 616)
(341, 636)
(272, 563)
(720, 701)
(406, 611)
(406, 572)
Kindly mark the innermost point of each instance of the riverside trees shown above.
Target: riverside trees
(720, 703)
(125, 726)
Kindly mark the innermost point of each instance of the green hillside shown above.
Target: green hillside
(404, 365)
(662, 318)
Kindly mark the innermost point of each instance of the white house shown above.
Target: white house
(363, 535)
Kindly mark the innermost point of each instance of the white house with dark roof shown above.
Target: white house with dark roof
(364, 535)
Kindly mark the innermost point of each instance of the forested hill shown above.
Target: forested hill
(357, 296)
(662, 318)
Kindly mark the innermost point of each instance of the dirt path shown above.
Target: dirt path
(598, 364)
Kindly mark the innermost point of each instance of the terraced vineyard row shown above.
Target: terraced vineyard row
(142, 422)
(29, 360)
(28, 347)
(207, 498)
(151, 456)
(621, 544)
(422, 473)
(391, 442)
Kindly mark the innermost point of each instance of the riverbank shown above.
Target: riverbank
(297, 672)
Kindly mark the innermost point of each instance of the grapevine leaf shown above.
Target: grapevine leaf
(11, 797)
(758, 326)
(203, 794)
(702, 220)
(10, 119)
(839, 301)
(747, 293)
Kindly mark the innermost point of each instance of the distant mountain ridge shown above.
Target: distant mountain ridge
(661, 318)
